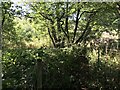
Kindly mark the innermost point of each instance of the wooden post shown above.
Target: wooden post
(39, 74)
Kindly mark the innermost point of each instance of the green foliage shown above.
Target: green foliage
(28, 35)
(66, 68)
(17, 65)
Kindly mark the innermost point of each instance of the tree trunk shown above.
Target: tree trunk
(1, 29)
(39, 74)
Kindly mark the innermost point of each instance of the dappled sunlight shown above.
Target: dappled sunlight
(60, 45)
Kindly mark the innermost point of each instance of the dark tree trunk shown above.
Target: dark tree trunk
(1, 30)
(39, 74)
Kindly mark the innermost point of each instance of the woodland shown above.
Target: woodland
(60, 45)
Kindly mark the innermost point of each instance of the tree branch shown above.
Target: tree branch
(59, 18)
(85, 12)
(66, 22)
(51, 37)
(86, 28)
(46, 17)
(42, 14)
(64, 30)
(3, 20)
(76, 24)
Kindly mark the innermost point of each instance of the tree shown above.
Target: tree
(65, 24)
(71, 23)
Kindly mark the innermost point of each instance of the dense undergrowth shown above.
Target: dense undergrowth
(62, 68)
